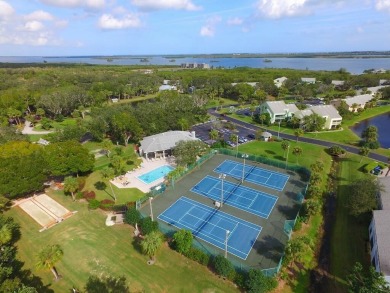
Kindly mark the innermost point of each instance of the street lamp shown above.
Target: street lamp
(151, 210)
(226, 241)
(243, 168)
(279, 128)
(236, 145)
(288, 149)
(222, 177)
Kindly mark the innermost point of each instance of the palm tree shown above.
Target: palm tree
(285, 145)
(183, 122)
(363, 151)
(262, 118)
(108, 173)
(5, 234)
(298, 133)
(71, 185)
(107, 146)
(297, 151)
(214, 134)
(48, 257)
(151, 244)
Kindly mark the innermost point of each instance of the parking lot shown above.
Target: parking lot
(202, 131)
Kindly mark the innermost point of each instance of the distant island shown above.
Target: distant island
(267, 60)
(144, 60)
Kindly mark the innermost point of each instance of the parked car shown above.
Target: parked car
(229, 143)
(251, 136)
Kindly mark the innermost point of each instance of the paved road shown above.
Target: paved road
(255, 128)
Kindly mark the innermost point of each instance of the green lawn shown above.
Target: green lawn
(273, 150)
(123, 195)
(349, 235)
(58, 125)
(92, 248)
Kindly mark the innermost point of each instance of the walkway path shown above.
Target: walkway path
(323, 143)
(28, 129)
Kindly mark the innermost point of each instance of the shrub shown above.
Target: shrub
(93, 204)
(298, 224)
(223, 266)
(182, 240)
(132, 216)
(198, 256)
(257, 282)
(147, 225)
(79, 195)
(336, 150)
(107, 204)
(89, 195)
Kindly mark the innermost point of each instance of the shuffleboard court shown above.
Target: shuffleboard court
(39, 215)
(211, 225)
(244, 198)
(253, 174)
(51, 205)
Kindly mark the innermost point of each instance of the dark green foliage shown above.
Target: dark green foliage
(148, 226)
(187, 151)
(370, 137)
(313, 122)
(362, 281)
(68, 158)
(71, 132)
(362, 196)
(263, 118)
(257, 282)
(132, 216)
(9, 133)
(336, 150)
(223, 266)
(198, 256)
(93, 204)
(182, 241)
(106, 285)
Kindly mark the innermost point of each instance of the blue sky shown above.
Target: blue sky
(136, 27)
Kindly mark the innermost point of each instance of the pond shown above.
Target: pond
(382, 122)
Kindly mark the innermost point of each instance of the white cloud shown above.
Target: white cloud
(108, 21)
(39, 15)
(208, 30)
(5, 9)
(33, 26)
(165, 4)
(88, 4)
(282, 8)
(383, 5)
(235, 21)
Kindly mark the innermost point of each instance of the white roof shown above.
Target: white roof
(385, 193)
(266, 134)
(326, 111)
(360, 100)
(382, 220)
(308, 79)
(338, 82)
(302, 113)
(253, 84)
(165, 141)
(278, 107)
(167, 87)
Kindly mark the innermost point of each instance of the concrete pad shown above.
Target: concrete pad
(39, 215)
(51, 205)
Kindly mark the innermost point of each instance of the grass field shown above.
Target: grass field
(92, 248)
(350, 235)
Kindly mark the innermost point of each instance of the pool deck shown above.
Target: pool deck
(130, 180)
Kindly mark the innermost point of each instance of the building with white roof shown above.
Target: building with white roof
(278, 110)
(252, 84)
(167, 87)
(338, 82)
(329, 112)
(358, 102)
(379, 231)
(162, 144)
(311, 80)
(278, 82)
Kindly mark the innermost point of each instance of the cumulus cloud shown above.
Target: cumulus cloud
(235, 21)
(383, 5)
(109, 21)
(33, 26)
(6, 9)
(87, 4)
(282, 8)
(165, 4)
(39, 15)
(208, 30)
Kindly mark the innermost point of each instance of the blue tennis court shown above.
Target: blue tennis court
(211, 225)
(256, 175)
(238, 196)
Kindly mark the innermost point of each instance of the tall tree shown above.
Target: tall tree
(362, 281)
(187, 151)
(108, 174)
(285, 146)
(298, 133)
(48, 257)
(125, 126)
(152, 243)
(363, 152)
(297, 151)
(71, 185)
(370, 137)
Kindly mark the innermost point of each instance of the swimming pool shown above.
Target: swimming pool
(155, 174)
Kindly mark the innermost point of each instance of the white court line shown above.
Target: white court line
(208, 235)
